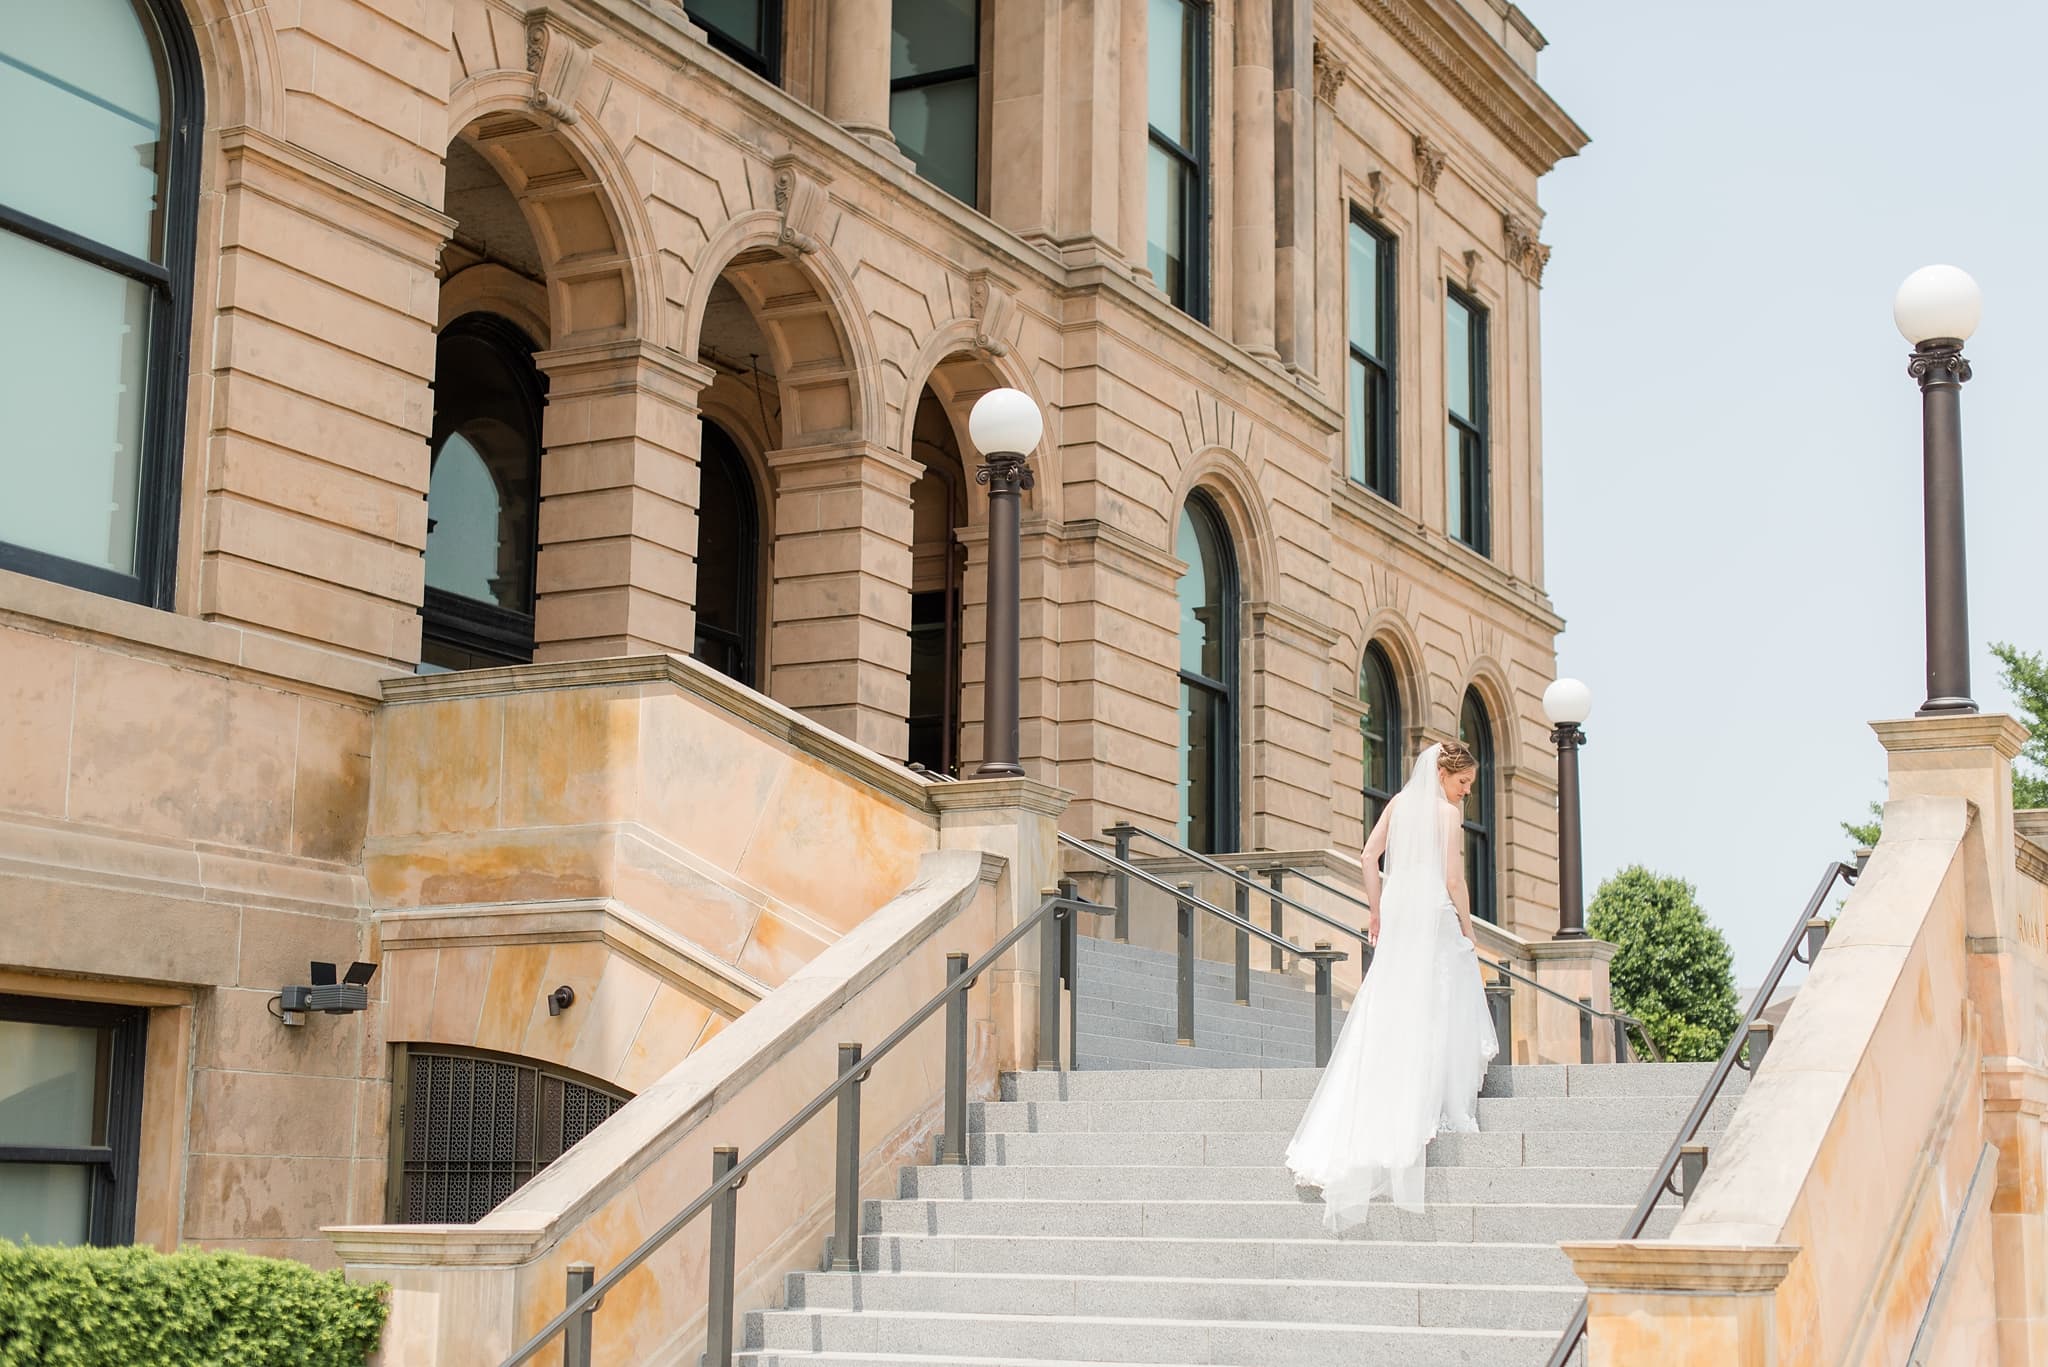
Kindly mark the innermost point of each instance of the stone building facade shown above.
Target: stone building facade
(450, 334)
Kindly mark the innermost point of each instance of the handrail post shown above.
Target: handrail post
(724, 1247)
(953, 1143)
(1760, 1033)
(1816, 938)
(576, 1337)
(1274, 876)
(1049, 993)
(1500, 1003)
(1122, 832)
(1070, 969)
(1185, 984)
(846, 1190)
(1323, 1003)
(1621, 1049)
(1244, 939)
(1586, 1030)
(1692, 1166)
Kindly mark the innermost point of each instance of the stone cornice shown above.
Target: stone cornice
(1000, 794)
(863, 765)
(1091, 536)
(244, 146)
(1975, 730)
(1291, 622)
(1655, 1265)
(1454, 49)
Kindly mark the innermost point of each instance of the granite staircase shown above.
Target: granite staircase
(1137, 1210)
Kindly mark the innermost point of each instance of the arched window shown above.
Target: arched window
(728, 551)
(99, 188)
(1381, 723)
(483, 497)
(1208, 681)
(1477, 733)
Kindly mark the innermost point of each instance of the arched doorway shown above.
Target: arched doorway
(728, 559)
(483, 497)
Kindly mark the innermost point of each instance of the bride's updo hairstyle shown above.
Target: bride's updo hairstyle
(1454, 758)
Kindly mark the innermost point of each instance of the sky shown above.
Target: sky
(1732, 475)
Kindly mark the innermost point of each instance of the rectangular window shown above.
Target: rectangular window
(70, 1120)
(935, 91)
(1372, 437)
(1177, 158)
(1465, 454)
(748, 31)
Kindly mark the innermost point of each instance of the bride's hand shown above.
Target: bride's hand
(1372, 928)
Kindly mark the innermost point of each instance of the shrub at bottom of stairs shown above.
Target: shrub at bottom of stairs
(125, 1307)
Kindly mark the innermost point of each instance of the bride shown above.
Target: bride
(1414, 1049)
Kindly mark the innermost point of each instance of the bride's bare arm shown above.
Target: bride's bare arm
(1454, 869)
(1375, 846)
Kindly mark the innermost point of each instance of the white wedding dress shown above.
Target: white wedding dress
(1414, 1049)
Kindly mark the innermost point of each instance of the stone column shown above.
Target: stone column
(1133, 138)
(857, 69)
(1288, 758)
(839, 647)
(618, 514)
(1294, 182)
(1324, 235)
(1022, 117)
(1576, 969)
(1090, 167)
(1251, 174)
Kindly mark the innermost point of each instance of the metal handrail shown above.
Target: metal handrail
(1813, 934)
(960, 977)
(1116, 832)
(1582, 1007)
(1125, 866)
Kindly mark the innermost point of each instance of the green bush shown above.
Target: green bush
(1672, 969)
(126, 1307)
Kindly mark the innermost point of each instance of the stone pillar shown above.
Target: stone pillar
(857, 69)
(1662, 1302)
(1576, 969)
(1019, 819)
(839, 647)
(1252, 235)
(1324, 234)
(1294, 182)
(1134, 141)
(618, 513)
(1090, 167)
(1022, 117)
(1288, 758)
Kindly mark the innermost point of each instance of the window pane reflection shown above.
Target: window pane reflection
(937, 128)
(48, 1203)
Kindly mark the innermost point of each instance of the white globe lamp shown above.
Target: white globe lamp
(1005, 422)
(1567, 703)
(1938, 303)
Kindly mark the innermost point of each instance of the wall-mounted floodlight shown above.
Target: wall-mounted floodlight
(350, 994)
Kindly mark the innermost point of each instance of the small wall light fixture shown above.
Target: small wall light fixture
(349, 995)
(561, 999)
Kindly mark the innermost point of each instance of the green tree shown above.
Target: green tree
(1671, 967)
(2026, 678)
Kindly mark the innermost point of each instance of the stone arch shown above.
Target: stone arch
(1223, 475)
(1485, 675)
(239, 64)
(810, 313)
(1396, 638)
(958, 373)
(491, 288)
(579, 201)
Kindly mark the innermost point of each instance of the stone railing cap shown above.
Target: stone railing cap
(1659, 1265)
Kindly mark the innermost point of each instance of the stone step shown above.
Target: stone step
(1525, 1081)
(1162, 1009)
(760, 1358)
(1420, 1304)
(1506, 1148)
(1142, 958)
(1112, 982)
(1319, 1258)
(1108, 1054)
(1464, 1222)
(1224, 1027)
(959, 1338)
(1658, 1115)
(1492, 1186)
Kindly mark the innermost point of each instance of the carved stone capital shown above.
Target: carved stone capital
(801, 200)
(1376, 193)
(1429, 162)
(1330, 74)
(1524, 252)
(558, 55)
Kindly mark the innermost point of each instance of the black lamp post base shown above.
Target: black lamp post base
(1572, 933)
(999, 769)
(1946, 707)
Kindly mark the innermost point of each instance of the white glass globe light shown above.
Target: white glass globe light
(1005, 422)
(1567, 702)
(1938, 302)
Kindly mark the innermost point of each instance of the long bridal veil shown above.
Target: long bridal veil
(1414, 1049)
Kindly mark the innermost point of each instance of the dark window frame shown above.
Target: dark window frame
(116, 1163)
(1480, 835)
(946, 76)
(1224, 776)
(764, 61)
(1476, 511)
(1383, 473)
(399, 1163)
(160, 461)
(1390, 735)
(501, 634)
(744, 643)
(1195, 160)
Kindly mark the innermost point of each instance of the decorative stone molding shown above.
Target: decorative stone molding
(1330, 74)
(801, 200)
(1429, 162)
(1472, 260)
(558, 55)
(1295, 627)
(1659, 1265)
(993, 307)
(1524, 252)
(1209, 421)
(1376, 193)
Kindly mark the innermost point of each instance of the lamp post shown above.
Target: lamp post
(1937, 309)
(1568, 703)
(1004, 426)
